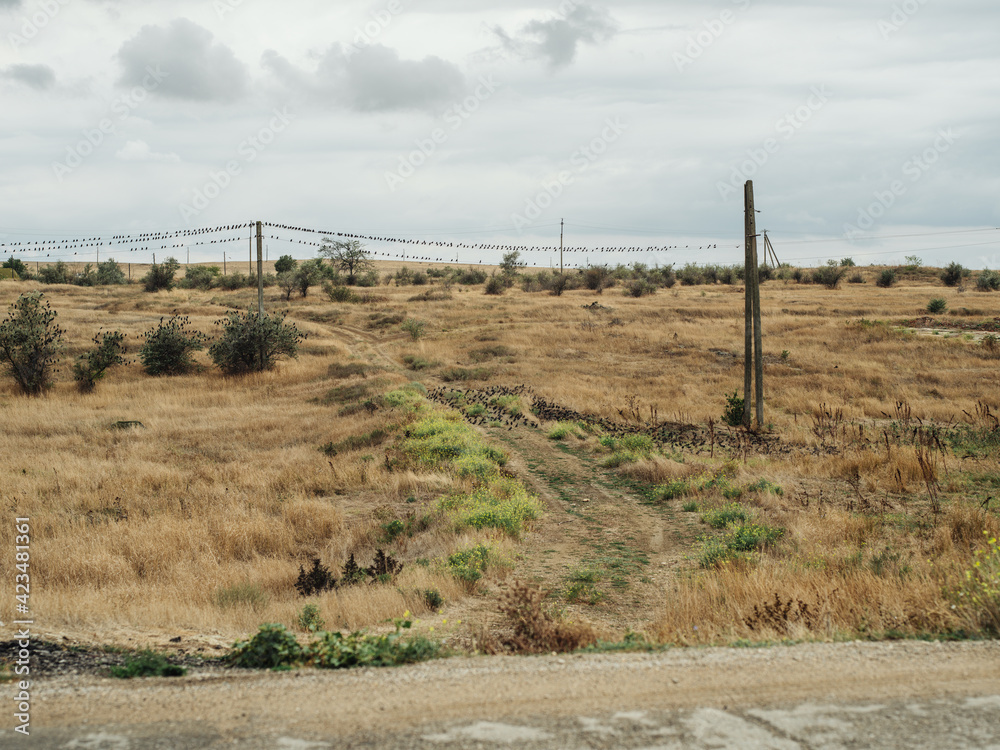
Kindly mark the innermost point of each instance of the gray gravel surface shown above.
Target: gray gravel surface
(850, 695)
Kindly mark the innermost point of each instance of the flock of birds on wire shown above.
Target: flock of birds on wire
(167, 240)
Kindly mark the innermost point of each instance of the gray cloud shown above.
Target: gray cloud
(373, 79)
(39, 77)
(556, 40)
(195, 68)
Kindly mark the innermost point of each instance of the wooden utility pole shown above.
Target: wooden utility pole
(223, 263)
(250, 263)
(260, 272)
(562, 224)
(753, 350)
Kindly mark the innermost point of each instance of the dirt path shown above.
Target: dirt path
(906, 695)
(598, 544)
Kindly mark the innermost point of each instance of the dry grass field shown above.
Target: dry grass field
(855, 513)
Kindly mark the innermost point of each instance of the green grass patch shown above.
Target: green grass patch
(738, 542)
(418, 363)
(445, 441)
(502, 503)
(725, 516)
(147, 664)
(562, 430)
(371, 439)
(469, 565)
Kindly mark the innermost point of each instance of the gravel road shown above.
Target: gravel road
(848, 695)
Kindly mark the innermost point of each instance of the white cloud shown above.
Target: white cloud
(140, 151)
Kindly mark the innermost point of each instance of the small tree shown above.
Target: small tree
(199, 277)
(161, 276)
(886, 278)
(307, 274)
(829, 275)
(511, 264)
(288, 282)
(17, 266)
(350, 257)
(953, 274)
(55, 274)
(30, 342)
(91, 366)
(109, 273)
(285, 263)
(253, 343)
(167, 349)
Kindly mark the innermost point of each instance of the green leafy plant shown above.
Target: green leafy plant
(733, 413)
(30, 342)
(937, 305)
(988, 281)
(415, 328)
(253, 343)
(167, 349)
(161, 276)
(147, 664)
(886, 278)
(310, 619)
(285, 263)
(953, 274)
(91, 366)
(359, 649)
(829, 276)
(469, 565)
(979, 592)
(272, 646)
(722, 517)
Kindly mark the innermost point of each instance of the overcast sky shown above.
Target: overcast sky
(480, 121)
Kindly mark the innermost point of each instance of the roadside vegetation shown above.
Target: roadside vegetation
(356, 452)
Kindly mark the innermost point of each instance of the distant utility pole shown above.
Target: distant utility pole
(250, 265)
(260, 272)
(753, 350)
(562, 225)
(223, 264)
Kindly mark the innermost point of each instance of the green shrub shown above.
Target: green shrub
(200, 277)
(109, 273)
(161, 276)
(886, 278)
(937, 305)
(469, 565)
(415, 328)
(979, 592)
(733, 413)
(253, 343)
(285, 263)
(829, 276)
(339, 292)
(857, 278)
(30, 342)
(503, 504)
(55, 274)
(639, 288)
(953, 274)
(691, 506)
(765, 486)
(359, 649)
(433, 598)
(310, 619)
(91, 366)
(167, 349)
(147, 664)
(272, 646)
(671, 490)
(723, 517)
(988, 281)
(495, 285)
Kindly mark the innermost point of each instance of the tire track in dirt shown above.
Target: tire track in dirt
(593, 525)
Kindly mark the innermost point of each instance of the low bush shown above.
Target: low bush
(829, 276)
(91, 366)
(253, 343)
(167, 349)
(953, 274)
(30, 342)
(886, 278)
(147, 664)
(161, 276)
(937, 305)
(503, 504)
(988, 281)
(537, 630)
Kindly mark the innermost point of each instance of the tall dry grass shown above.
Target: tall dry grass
(201, 518)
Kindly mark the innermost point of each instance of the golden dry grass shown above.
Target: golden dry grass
(225, 486)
